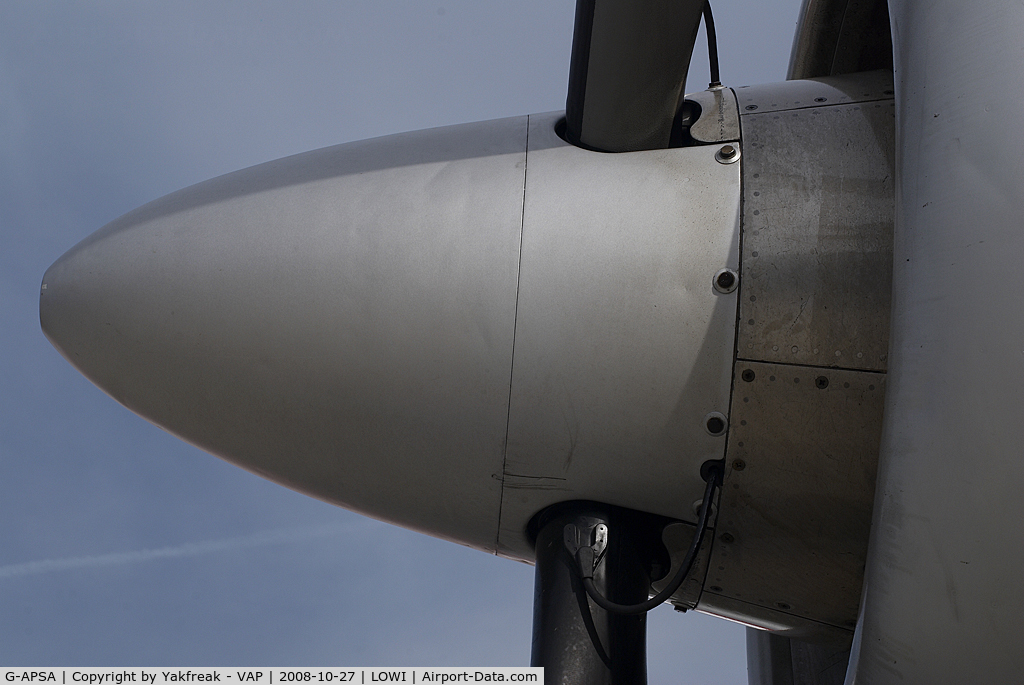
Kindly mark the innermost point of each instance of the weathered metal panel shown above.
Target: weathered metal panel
(818, 92)
(795, 510)
(817, 235)
(805, 417)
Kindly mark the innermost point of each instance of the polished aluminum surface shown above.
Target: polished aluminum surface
(719, 119)
(339, 321)
(943, 599)
(623, 346)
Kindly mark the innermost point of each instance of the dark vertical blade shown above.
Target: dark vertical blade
(628, 70)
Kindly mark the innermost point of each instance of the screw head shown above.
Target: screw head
(738, 465)
(727, 538)
(715, 423)
(821, 382)
(748, 375)
(725, 281)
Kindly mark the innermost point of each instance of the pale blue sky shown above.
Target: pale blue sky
(121, 545)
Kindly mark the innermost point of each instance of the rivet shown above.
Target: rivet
(727, 154)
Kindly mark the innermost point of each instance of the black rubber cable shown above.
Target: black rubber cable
(709, 28)
(585, 560)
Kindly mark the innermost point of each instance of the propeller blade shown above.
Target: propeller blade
(628, 70)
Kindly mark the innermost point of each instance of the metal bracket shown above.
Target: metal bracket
(596, 538)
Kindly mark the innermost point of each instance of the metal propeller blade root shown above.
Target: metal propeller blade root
(585, 555)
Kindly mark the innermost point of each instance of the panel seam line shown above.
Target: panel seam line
(515, 324)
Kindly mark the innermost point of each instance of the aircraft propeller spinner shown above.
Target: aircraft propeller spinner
(643, 344)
